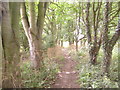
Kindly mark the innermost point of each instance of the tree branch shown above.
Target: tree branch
(116, 35)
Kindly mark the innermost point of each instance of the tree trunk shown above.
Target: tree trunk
(108, 44)
(1, 50)
(94, 45)
(69, 40)
(76, 46)
(61, 43)
(94, 52)
(88, 24)
(33, 31)
(88, 33)
(34, 41)
(107, 60)
(11, 73)
(25, 43)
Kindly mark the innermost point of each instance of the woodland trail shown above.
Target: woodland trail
(68, 76)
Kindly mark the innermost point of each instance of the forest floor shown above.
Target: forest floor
(67, 77)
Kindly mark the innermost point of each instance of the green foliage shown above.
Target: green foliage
(81, 55)
(60, 24)
(47, 42)
(91, 76)
(39, 79)
(82, 52)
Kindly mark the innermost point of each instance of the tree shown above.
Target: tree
(94, 42)
(10, 33)
(77, 31)
(108, 44)
(0, 45)
(33, 30)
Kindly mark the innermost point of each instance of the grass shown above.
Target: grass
(91, 76)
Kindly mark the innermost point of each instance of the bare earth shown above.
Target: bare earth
(68, 76)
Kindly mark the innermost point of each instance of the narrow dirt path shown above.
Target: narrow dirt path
(68, 76)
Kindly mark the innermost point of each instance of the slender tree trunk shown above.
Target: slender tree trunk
(88, 32)
(61, 43)
(105, 41)
(88, 23)
(94, 45)
(10, 27)
(42, 7)
(34, 41)
(76, 46)
(70, 40)
(77, 41)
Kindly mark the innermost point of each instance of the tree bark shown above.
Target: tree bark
(33, 30)
(25, 43)
(11, 71)
(107, 54)
(34, 39)
(78, 28)
(1, 50)
(108, 44)
(88, 23)
(94, 45)
(88, 33)
(61, 41)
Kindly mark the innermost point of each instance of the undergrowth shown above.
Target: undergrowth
(39, 79)
(44, 77)
(91, 76)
